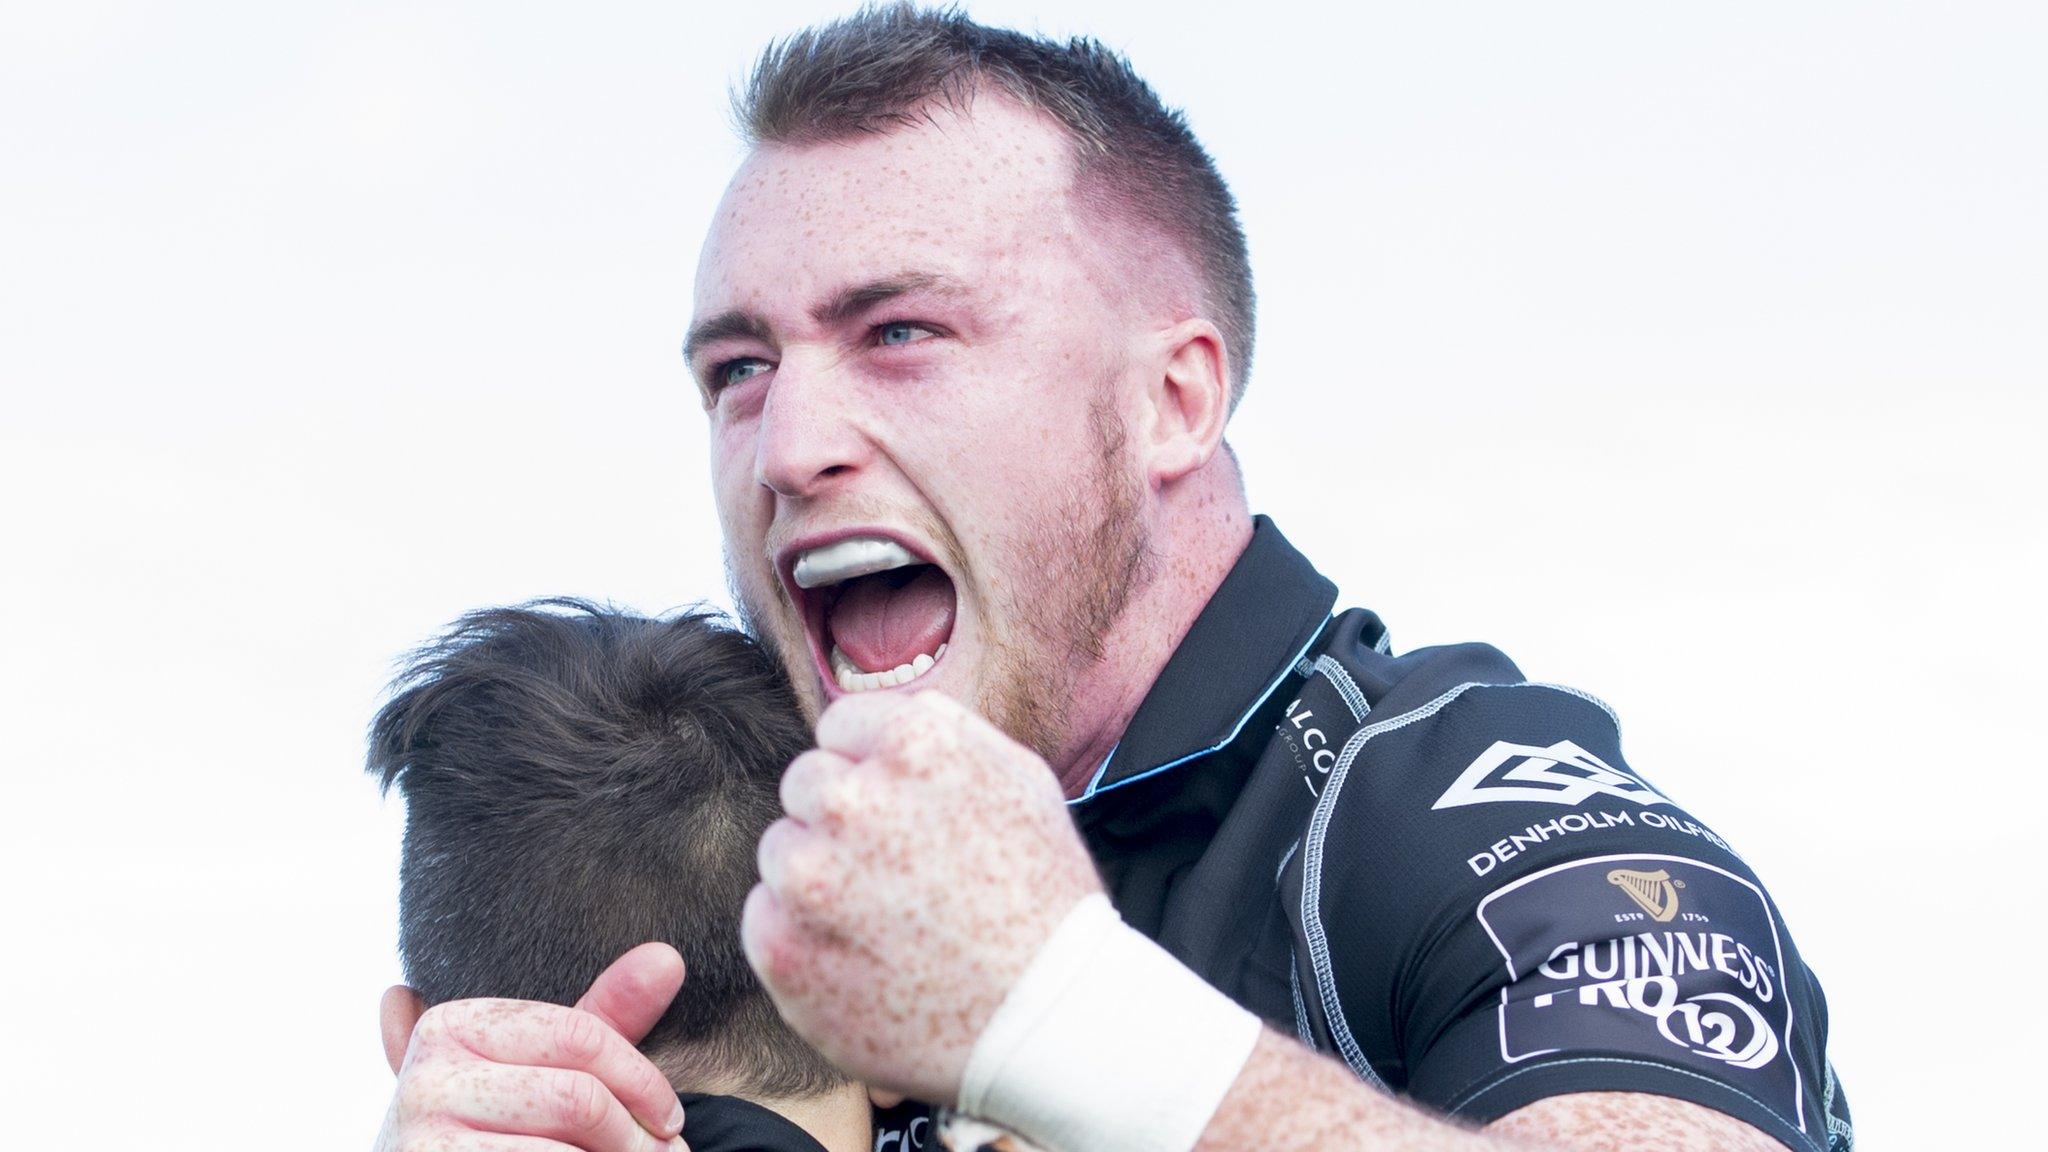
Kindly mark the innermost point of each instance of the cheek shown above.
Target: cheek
(732, 483)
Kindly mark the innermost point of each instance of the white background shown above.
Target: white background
(1692, 353)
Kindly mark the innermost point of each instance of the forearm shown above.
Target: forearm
(1288, 1097)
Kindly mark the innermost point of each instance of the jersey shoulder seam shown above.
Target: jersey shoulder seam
(1310, 910)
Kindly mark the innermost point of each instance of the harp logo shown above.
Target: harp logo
(1703, 988)
(1562, 773)
(1656, 893)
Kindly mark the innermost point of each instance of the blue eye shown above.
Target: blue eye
(734, 371)
(901, 332)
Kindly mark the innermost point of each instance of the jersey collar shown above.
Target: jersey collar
(1261, 622)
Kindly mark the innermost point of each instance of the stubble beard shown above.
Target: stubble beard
(1095, 555)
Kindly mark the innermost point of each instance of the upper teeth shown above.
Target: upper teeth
(852, 679)
(846, 559)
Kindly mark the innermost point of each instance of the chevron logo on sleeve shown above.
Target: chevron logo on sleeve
(1563, 773)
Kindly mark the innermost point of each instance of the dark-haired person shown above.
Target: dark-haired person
(969, 325)
(578, 782)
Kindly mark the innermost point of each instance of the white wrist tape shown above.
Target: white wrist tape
(1107, 1042)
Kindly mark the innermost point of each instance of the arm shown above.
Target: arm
(926, 863)
(1288, 1097)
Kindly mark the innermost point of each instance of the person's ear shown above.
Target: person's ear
(399, 1011)
(1188, 401)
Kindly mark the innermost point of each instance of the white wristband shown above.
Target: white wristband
(1107, 1042)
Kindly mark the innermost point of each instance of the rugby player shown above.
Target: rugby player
(579, 781)
(1116, 835)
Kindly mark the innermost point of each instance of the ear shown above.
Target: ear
(1188, 402)
(399, 1011)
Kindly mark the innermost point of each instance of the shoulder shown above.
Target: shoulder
(1459, 726)
(1460, 763)
(1494, 906)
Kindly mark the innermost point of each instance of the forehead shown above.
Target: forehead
(969, 194)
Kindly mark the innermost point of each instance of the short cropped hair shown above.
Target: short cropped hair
(880, 68)
(579, 781)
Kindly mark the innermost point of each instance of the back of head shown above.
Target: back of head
(579, 781)
(1136, 160)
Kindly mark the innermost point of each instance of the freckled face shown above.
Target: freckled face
(907, 337)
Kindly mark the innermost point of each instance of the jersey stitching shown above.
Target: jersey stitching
(1346, 687)
(1312, 864)
(1612, 717)
(1473, 1097)
(1282, 869)
(1301, 1028)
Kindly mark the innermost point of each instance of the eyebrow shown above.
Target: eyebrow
(842, 307)
(855, 300)
(723, 326)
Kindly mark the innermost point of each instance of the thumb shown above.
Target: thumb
(632, 994)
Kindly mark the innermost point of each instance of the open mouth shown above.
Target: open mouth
(879, 615)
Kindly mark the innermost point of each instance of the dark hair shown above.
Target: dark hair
(578, 781)
(881, 67)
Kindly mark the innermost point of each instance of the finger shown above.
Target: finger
(636, 990)
(549, 1036)
(805, 784)
(883, 1098)
(854, 725)
(474, 1141)
(631, 996)
(779, 843)
(765, 935)
(548, 1104)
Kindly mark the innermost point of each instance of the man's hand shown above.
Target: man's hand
(925, 858)
(504, 1074)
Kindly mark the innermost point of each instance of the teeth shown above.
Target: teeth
(855, 556)
(852, 679)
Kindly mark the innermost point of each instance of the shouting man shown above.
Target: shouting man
(1115, 834)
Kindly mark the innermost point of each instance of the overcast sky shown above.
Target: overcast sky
(1691, 353)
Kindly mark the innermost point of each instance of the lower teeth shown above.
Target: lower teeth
(852, 679)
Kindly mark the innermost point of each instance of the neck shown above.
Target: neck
(1200, 526)
(840, 1119)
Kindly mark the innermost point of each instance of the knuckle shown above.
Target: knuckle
(841, 795)
(578, 1100)
(579, 1036)
(433, 1028)
(773, 849)
(802, 872)
(653, 1086)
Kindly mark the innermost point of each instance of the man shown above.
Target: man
(970, 322)
(577, 782)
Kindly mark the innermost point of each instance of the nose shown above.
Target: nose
(809, 437)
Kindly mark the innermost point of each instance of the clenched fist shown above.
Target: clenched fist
(924, 859)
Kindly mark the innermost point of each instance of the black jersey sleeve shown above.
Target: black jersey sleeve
(1494, 908)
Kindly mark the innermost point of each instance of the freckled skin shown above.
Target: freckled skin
(927, 855)
(889, 932)
(975, 443)
(960, 918)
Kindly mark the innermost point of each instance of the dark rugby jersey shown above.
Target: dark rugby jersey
(730, 1124)
(1444, 875)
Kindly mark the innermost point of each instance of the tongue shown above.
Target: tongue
(882, 621)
